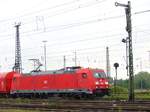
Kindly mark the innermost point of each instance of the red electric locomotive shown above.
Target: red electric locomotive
(70, 80)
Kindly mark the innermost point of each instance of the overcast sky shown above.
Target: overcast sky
(84, 26)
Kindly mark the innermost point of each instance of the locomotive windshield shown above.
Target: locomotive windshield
(99, 75)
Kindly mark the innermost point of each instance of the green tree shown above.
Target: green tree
(123, 83)
(142, 80)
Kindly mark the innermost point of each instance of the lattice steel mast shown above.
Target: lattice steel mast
(18, 63)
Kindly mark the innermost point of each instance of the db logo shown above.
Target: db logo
(45, 82)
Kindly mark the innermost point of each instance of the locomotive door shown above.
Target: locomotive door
(83, 80)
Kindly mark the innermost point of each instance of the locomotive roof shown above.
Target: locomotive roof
(66, 70)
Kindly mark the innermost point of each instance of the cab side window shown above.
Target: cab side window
(84, 75)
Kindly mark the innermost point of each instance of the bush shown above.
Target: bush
(119, 89)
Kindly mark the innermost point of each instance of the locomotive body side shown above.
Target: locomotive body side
(47, 83)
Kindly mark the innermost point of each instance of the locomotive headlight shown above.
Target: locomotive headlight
(97, 83)
(106, 82)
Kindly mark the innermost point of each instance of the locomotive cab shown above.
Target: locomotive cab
(94, 81)
(101, 86)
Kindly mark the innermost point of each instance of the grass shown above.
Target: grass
(17, 100)
(17, 110)
(124, 96)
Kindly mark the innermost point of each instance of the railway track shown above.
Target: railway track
(79, 106)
